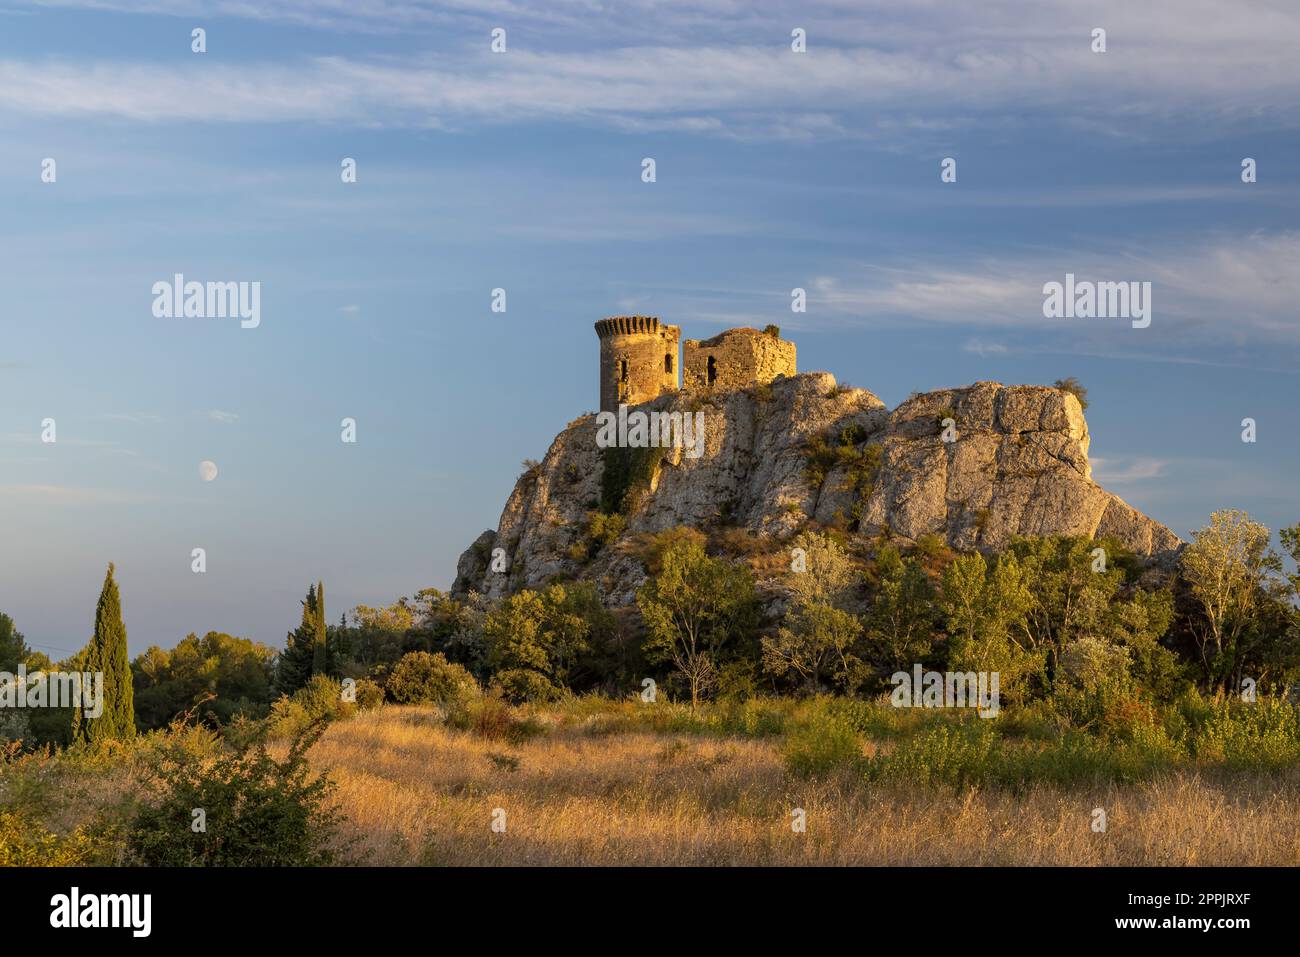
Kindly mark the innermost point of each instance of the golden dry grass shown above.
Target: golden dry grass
(415, 792)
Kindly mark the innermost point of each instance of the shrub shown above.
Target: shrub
(751, 718)
(930, 546)
(823, 742)
(1265, 735)
(861, 463)
(606, 529)
(625, 472)
(657, 544)
(1038, 720)
(369, 694)
(258, 812)
(492, 718)
(524, 684)
(971, 753)
(1075, 388)
(424, 678)
(27, 842)
(953, 754)
(602, 531)
(320, 699)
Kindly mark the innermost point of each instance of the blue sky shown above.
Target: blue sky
(522, 170)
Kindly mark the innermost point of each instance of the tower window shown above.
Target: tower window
(622, 370)
(668, 362)
(713, 371)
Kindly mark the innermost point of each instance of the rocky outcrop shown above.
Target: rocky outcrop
(1014, 461)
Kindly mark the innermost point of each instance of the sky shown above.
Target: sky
(522, 170)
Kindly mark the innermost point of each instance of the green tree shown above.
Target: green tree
(106, 654)
(1070, 585)
(1291, 543)
(541, 642)
(1229, 569)
(1075, 388)
(13, 649)
(224, 675)
(900, 625)
(817, 640)
(986, 604)
(693, 609)
(300, 658)
(320, 664)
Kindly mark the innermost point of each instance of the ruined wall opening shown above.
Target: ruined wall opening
(713, 371)
(668, 363)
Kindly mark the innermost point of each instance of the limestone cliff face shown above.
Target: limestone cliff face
(1017, 465)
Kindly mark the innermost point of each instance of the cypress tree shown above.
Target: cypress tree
(106, 654)
(320, 663)
(298, 660)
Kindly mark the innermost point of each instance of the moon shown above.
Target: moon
(207, 470)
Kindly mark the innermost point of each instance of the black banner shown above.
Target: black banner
(139, 907)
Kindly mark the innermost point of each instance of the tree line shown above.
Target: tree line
(1059, 618)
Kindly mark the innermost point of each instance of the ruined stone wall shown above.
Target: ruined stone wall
(638, 360)
(735, 359)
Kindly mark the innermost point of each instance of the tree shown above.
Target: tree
(1291, 542)
(107, 655)
(986, 604)
(541, 642)
(1069, 596)
(13, 649)
(818, 636)
(1228, 567)
(305, 646)
(693, 609)
(1075, 388)
(901, 621)
(816, 641)
(223, 675)
(320, 664)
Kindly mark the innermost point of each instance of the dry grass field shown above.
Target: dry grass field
(415, 792)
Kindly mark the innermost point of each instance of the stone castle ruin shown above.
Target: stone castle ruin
(639, 360)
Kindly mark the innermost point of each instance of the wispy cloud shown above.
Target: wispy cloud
(984, 348)
(34, 438)
(133, 418)
(1214, 290)
(217, 415)
(66, 495)
(1110, 471)
(895, 68)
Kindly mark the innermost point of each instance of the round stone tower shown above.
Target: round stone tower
(638, 360)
